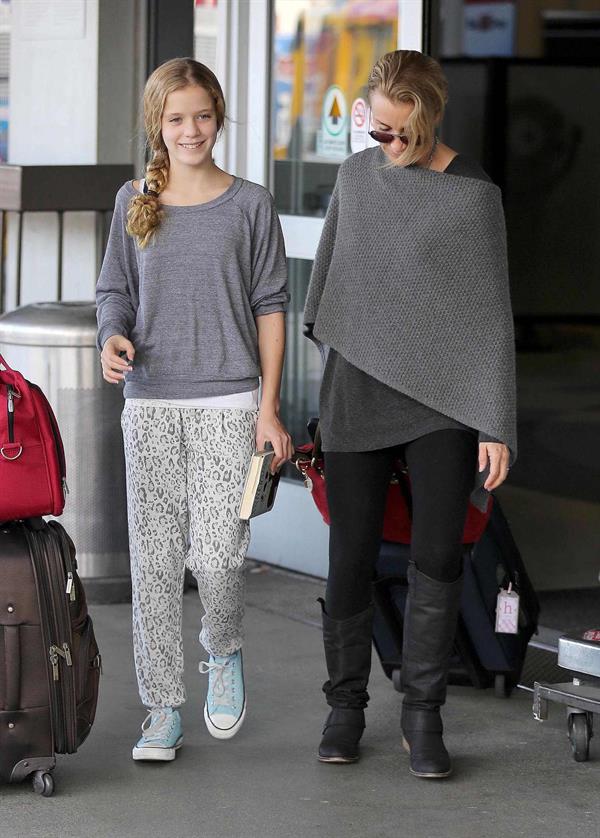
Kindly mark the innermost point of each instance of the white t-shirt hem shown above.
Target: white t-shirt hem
(232, 401)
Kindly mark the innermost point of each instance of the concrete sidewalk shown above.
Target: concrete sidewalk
(513, 776)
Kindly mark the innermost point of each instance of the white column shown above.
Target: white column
(243, 52)
(258, 142)
(410, 24)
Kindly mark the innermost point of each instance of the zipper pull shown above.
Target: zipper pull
(67, 654)
(11, 404)
(54, 662)
(70, 587)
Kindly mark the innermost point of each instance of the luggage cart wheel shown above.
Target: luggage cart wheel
(579, 736)
(502, 686)
(396, 676)
(43, 783)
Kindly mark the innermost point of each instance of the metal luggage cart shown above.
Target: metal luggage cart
(582, 699)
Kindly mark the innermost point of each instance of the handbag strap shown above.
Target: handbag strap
(5, 364)
(317, 453)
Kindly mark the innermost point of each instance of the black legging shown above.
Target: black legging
(442, 469)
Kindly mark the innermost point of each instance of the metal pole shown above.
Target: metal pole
(59, 270)
(3, 263)
(19, 250)
(102, 228)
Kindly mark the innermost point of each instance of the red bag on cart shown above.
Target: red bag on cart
(32, 459)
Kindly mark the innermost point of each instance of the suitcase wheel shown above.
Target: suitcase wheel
(396, 675)
(580, 733)
(43, 783)
(503, 686)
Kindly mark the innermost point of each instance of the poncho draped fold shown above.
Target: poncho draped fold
(410, 285)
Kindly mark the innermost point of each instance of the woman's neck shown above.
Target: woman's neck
(438, 158)
(194, 184)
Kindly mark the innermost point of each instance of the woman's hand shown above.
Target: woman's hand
(270, 429)
(497, 454)
(113, 366)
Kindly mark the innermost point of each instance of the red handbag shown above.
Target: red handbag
(308, 459)
(32, 459)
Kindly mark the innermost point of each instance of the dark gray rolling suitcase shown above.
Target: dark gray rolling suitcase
(482, 656)
(49, 659)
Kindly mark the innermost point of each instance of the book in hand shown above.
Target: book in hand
(261, 485)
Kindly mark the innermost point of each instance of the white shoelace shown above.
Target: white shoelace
(158, 727)
(221, 686)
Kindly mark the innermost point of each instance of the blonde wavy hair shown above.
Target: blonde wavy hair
(407, 75)
(144, 214)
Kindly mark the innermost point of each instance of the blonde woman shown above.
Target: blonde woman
(191, 301)
(410, 292)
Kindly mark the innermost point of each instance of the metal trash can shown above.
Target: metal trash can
(54, 345)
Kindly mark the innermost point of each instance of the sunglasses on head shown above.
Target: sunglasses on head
(386, 137)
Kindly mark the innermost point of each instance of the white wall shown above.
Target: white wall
(293, 534)
(73, 91)
(53, 88)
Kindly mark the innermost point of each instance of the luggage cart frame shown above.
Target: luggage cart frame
(581, 699)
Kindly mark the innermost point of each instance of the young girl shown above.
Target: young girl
(191, 306)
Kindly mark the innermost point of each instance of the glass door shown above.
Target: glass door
(322, 53)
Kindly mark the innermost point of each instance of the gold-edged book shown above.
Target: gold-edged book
(261, 485)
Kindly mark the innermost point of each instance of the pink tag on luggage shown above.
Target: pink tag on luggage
(507, 611)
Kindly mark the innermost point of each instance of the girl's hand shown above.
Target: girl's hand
(270, 429)
(498, 456)
(113, 366)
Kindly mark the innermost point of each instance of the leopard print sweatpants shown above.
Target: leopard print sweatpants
(185, 474)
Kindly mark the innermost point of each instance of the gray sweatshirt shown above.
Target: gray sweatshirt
(189, 300)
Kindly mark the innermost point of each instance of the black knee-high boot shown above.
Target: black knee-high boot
(348, 656)
(429, 631)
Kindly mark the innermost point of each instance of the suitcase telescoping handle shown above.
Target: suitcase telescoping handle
(13, 667)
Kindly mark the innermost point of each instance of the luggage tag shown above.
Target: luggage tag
(507, 611)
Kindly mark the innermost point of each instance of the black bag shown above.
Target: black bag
(49, 660)
(481, 656)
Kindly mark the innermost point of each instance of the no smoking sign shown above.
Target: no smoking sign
(359, 113)
(359, 123)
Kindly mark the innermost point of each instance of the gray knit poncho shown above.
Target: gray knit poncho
(410, 285)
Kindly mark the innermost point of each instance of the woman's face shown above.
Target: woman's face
(392, 117)
(189, 125)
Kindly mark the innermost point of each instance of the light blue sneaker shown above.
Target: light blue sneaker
(161, 735)
(225, 706)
